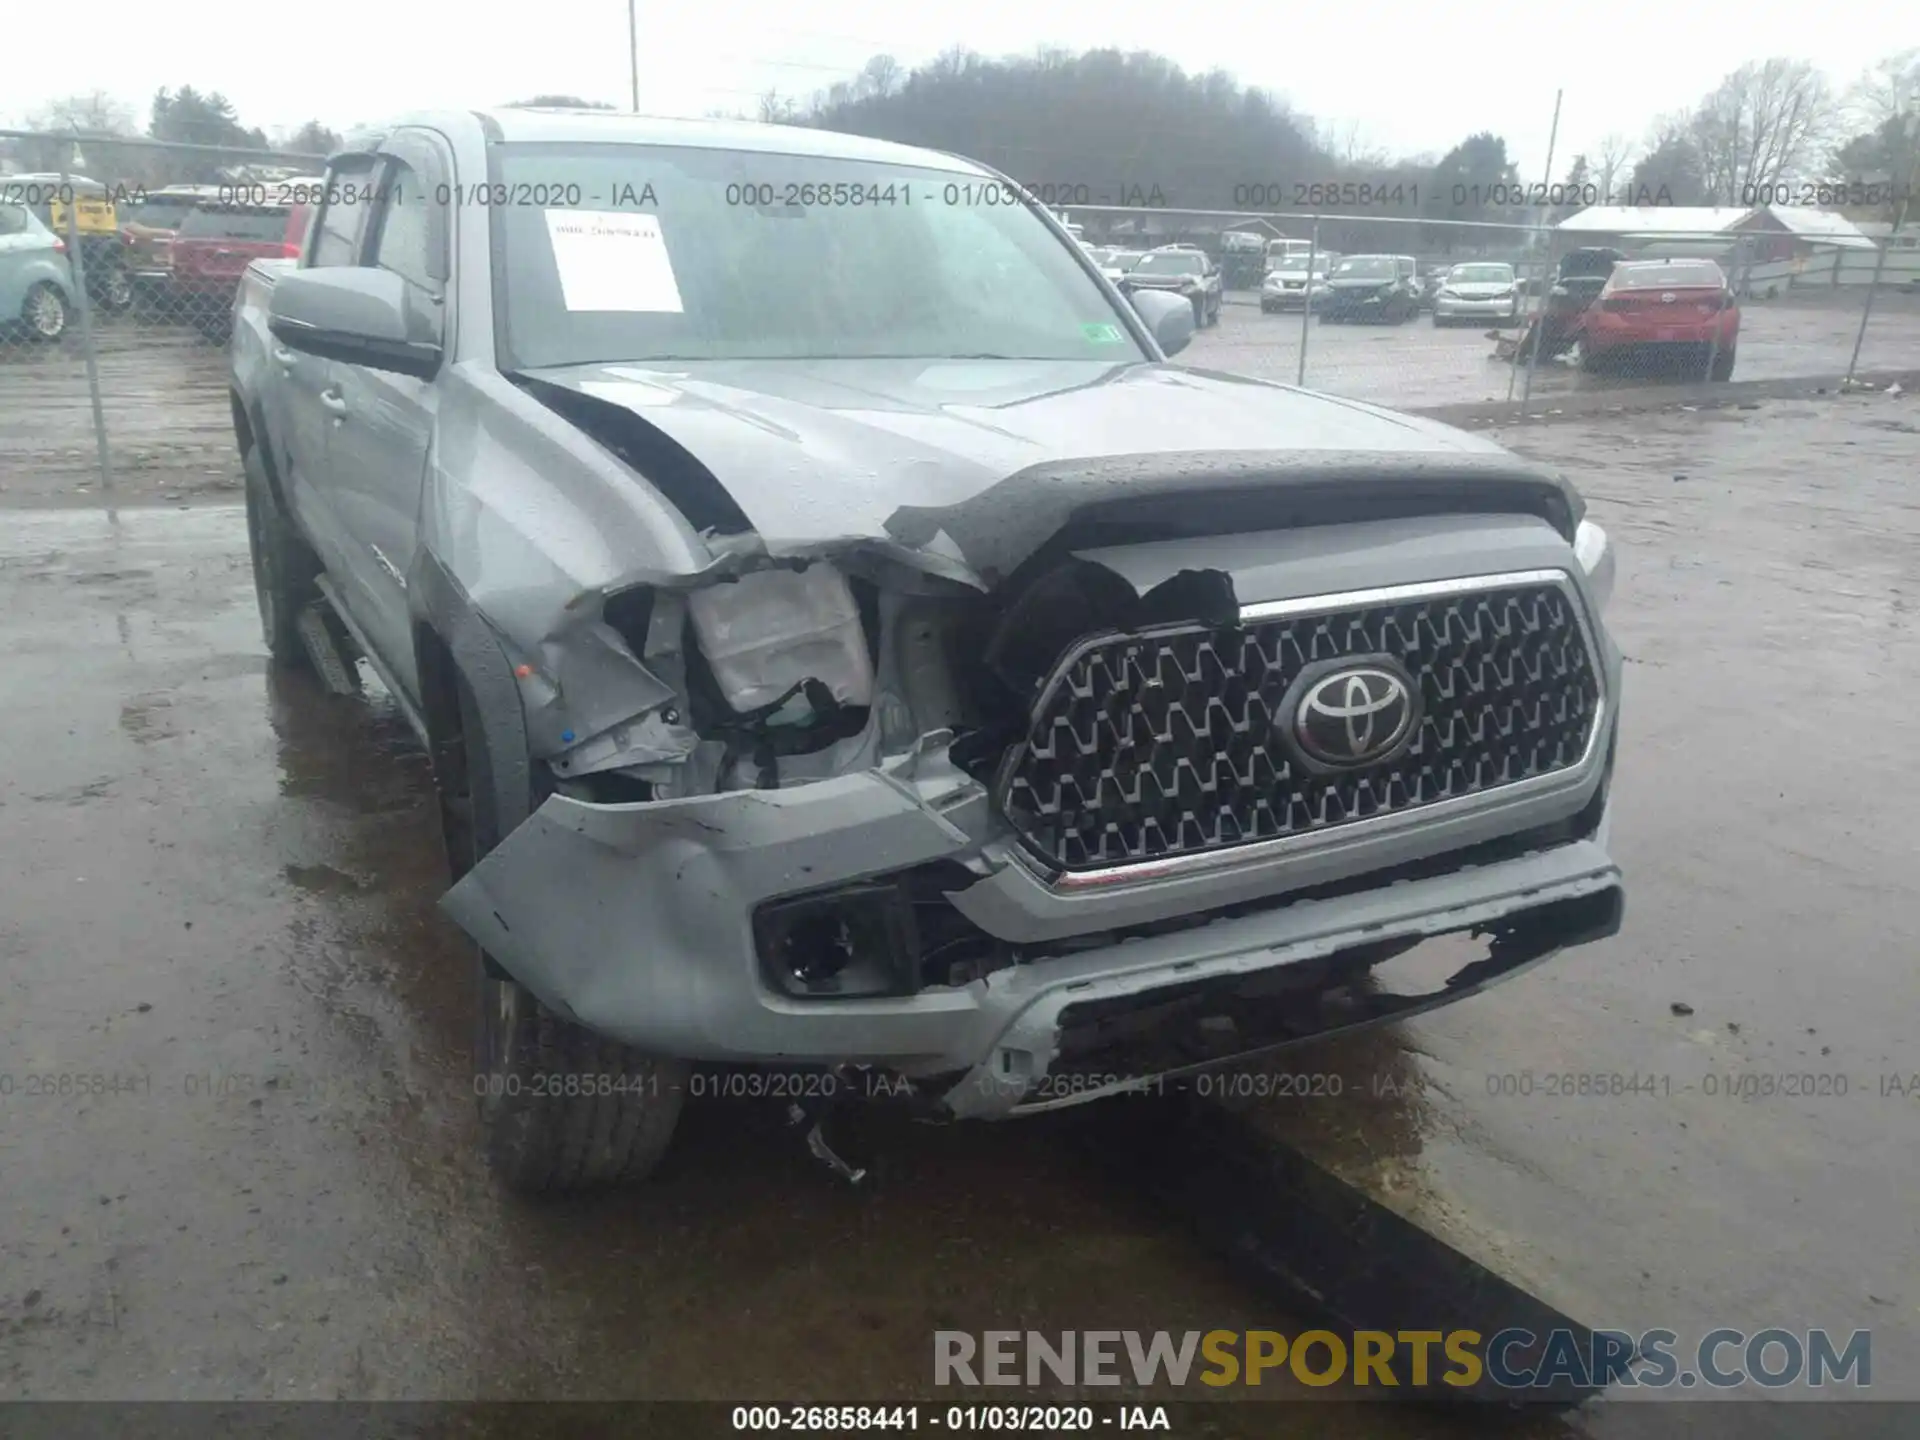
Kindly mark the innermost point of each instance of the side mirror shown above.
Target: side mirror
(1169, 317)
(357, 316)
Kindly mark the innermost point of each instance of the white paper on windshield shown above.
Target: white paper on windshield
(613, 260)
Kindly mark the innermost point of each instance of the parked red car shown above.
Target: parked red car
(148, 224)
(214, 246)
(1656, 308)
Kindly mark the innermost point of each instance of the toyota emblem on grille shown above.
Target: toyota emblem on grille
(1668, 298)
(1355, 715)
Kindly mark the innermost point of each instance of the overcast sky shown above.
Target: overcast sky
(1415, 77)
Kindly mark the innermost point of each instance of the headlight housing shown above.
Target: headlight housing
(769, 631)
(1595, 553)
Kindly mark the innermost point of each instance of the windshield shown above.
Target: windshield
(251, 223)
(1124, 260)
(662, 253)
(1297, 269)
(1366, 267)
(162, 212)
(1169, 262)
(1480, 275)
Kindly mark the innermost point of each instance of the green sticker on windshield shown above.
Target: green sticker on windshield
(1103, 334)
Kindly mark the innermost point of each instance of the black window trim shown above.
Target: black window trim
(417, 153)
(347, 160)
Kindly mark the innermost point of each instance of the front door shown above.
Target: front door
(377, 461)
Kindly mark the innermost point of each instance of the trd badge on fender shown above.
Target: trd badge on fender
(1357, 714)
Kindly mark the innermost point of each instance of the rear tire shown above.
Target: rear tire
(284, 567)
(114, 290)
(541, 1140)
(45, 312)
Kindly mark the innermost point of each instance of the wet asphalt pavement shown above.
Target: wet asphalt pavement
(220, 902)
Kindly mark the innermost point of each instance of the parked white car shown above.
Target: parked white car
(1288, 286)
(1477, 290)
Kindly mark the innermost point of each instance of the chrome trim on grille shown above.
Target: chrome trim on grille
(1140, 872)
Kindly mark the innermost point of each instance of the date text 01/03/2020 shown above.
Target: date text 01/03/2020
(1031, 1419)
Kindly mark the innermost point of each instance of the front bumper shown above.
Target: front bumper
(1363, 307)
(636, 921)
(1449, 307)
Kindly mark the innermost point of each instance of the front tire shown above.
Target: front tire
(284, 567)
(45, 312)
(562, 1109)
(1723, 365)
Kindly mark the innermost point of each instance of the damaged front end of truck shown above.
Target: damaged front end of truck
(1008, 794)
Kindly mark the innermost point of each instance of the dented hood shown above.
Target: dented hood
(990, 457)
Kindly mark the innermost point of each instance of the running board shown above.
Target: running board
(336, 672)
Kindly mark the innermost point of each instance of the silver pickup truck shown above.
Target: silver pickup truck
(847, 647)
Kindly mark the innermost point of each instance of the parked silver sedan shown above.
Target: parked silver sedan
(1477, 290)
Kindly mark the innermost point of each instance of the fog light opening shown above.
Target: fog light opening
(858, 942)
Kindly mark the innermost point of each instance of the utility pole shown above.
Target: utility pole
(633, 52)
(1546, 287)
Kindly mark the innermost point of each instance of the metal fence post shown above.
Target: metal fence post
(77, 263)
(1879, 268)
(1306, 301)
(1539, 325)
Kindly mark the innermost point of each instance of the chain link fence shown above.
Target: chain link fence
(1424, 313)
(119, 261)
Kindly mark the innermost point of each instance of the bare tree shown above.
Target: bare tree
(1768, 121)
(1888, 89)
(96, 113)
(1350, 145)
(777, 109)
(1610, 163)
(881, 76)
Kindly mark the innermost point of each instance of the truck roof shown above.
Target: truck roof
(514, 125)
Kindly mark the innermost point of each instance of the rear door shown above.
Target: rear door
(313, 407)
(377, 463)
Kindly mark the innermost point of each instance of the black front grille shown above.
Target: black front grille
(1162, 744)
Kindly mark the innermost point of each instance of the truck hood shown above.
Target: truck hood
(983, 460)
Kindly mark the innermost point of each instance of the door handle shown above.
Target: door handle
(285, 356)
(334, 403)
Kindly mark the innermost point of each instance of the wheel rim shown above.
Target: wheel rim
(45, 313)
(119, 289)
